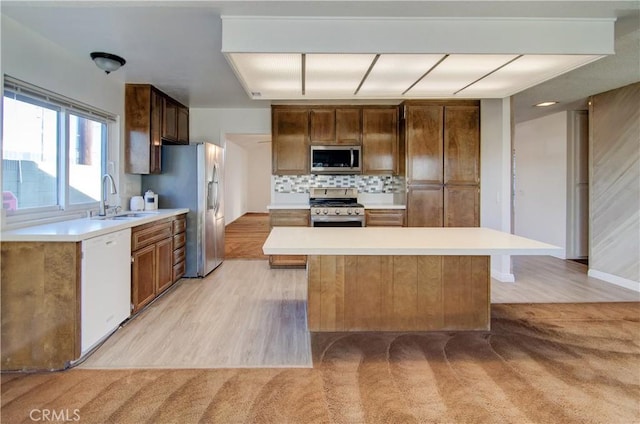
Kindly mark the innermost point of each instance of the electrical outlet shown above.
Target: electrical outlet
(111, 167)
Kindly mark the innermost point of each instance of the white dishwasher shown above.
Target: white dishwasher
(106, 286)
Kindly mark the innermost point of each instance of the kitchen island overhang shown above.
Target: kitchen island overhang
(399, 279)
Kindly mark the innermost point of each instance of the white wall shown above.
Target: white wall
(29, 57)
(211, 124)
(541, 179)
(236, 183)
(259, 175)
(495, 172)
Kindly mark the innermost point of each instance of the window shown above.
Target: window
(54, 151)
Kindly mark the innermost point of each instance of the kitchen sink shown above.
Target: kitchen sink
(126, 216)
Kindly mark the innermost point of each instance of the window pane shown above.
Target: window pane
(85, 159)
(29, 155)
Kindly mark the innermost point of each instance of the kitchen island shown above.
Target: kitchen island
(399, 279)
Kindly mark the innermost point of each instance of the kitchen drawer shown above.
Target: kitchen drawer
(179, 254)
(179, 225)
(178, 271)
(384, 217)
(179, 240)
(145, 235)
(289, 217)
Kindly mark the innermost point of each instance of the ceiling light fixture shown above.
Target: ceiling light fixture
(545, 104)
(107, 62)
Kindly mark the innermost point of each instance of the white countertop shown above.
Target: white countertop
(288, 206)
(400, 241)
(81, 229)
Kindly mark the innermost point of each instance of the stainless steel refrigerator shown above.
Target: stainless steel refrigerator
(192, 177)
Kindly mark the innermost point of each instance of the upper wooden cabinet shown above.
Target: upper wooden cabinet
(424, 144)
(461, 145)
(442, 142)
(143, 125)
(151, 119)
(183, 125)
(175, 123)
(380, 140)
(328, 125)
(290, 140)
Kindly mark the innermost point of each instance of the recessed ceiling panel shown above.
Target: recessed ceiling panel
(269, 76)
(394, 73)
(456, 72)
(526, 72)
(335, 75)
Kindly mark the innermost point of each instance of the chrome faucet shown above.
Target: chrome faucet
(104, 206)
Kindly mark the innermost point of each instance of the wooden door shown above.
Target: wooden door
(183, 125)
(290, 145)
(461, 206)
(170, 120)
(322, 126)
(349, 126)
(155, 142)
(380, 140)
(164, 265)
(424, 206)
(424, 144)
(143, 276)
(461, 144)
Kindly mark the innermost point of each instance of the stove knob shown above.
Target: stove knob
(317, 211)
(337, 211)
(356, 211)
(324, 211)
(349, 211)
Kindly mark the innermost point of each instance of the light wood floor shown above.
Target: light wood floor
(243, 314)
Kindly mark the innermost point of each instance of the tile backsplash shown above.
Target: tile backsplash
(364, 183)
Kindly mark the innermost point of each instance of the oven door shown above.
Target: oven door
(337, 221)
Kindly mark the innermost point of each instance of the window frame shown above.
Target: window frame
(25, 92)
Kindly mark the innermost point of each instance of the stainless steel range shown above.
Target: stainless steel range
(335, 207)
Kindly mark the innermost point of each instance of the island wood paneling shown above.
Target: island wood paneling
(40, 304)
(398, 293)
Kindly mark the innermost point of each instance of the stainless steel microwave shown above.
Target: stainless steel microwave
(336, 159)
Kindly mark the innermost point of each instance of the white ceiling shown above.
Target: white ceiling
(176, 45)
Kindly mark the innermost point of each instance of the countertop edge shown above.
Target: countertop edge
(48, 234)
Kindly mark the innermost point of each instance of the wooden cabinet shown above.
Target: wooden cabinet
(153, 262)
(175, 123)
(143, 126)
(169, 120)
(40, 304)
(151, 119)
(322, 126)
(329, 126)
(384, 217)
(183, 125)
(288, 218)
(349, 126)
(380, 140)
(442, 142)
(179, 247)
(290, 140)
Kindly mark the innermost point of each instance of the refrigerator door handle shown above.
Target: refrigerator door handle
(210, 196)
(216, 200)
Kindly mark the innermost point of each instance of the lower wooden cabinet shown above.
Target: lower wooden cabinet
(288, 218)
(156, 261)
(384, 217)
(179, 246)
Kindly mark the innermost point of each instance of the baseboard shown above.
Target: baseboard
(614, 279)
(504, 277)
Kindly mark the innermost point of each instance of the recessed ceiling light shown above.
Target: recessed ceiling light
(545, 104)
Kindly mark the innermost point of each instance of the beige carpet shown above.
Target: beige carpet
(544, 363)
